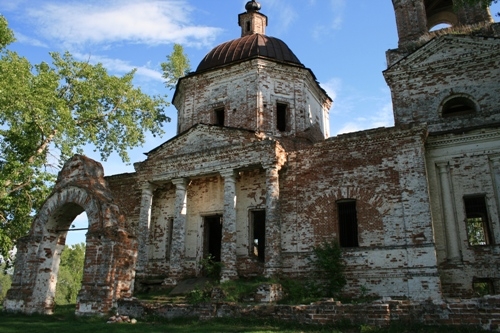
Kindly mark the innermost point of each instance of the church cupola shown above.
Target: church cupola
(254, 83)
(252, 22)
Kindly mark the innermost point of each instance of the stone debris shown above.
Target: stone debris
(121, 319)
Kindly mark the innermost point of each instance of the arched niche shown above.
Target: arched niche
(110, 255)
(458, 105)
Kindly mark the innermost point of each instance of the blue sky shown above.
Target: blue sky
(342, 41)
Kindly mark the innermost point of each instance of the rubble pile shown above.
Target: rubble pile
(121, 319)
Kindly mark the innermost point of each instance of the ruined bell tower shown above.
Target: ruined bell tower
(414, 18)
(447, 80)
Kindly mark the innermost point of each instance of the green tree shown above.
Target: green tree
(5, 281)
(51, 111)
(69, 279)
(482, 3)
(177, 66)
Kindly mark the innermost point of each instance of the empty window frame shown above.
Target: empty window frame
(219, 117)
(281, 116)
(348, 223)
(258, 234)
(483, 287)
(476, 219)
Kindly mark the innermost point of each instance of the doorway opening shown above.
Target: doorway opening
(213, 237)
(258, 234)
(70, 273)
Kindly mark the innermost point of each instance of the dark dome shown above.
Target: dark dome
(247, 47)
(252, 6)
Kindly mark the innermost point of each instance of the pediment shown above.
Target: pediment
(208, 150)
(448, 49)
(202, 138)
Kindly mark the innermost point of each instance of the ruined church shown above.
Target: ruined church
(254, 180)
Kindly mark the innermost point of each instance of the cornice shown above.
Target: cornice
(212, 161)
(460, 139)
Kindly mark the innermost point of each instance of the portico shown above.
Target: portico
(195, 186)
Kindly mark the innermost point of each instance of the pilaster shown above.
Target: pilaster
(179, 228)
(228, 250)
(448, 209)
(273, 229)
(144, 226)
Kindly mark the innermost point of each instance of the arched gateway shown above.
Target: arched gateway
(110, 253)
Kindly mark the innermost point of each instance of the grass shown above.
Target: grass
(64, 320)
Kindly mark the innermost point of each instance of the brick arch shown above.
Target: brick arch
(110, 252)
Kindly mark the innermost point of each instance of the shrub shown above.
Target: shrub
(5, 282)
(301, 291)
(210, 267)
(331, 267)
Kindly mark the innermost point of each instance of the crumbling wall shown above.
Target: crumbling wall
(481, 313)
(384, 172)
(110, 252)
(463, 165)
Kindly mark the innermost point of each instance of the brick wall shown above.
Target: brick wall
(483, 312)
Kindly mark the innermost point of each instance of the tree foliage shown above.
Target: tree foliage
(482, 3)
(177, 66)
(331, 267)
(69, 279)
(49, 111)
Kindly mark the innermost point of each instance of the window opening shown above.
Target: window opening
(258, 234)
(281, 116)
(248, 26)
(477, 220)
(457, 106)
(348, 223)
(213, 237)
(219, 117)
(483, 287)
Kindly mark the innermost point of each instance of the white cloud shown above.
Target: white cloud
(332, 87)
(349, 128)
(323, 29)
(12, 5)
(121, 66)
(150, 22)
(283, 13)
(355, 111)
(20, 37)
(338, 13)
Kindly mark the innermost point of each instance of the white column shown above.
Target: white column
(273, 237)
(228, 249)
(179, 229)
(144, 226)
(452, 239)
